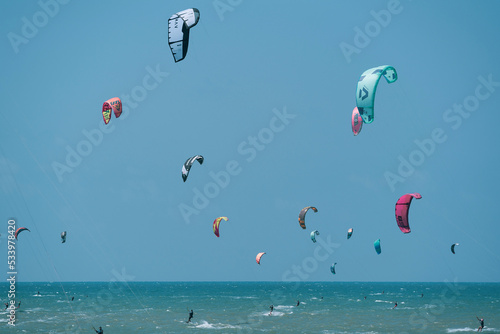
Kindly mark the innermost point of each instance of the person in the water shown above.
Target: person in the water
(272, 308)
(72, 298)
(395, 305)
(298, 303)
(481, 324)
(6, 306)
(190, 316)
(18, 305)
(100, 331)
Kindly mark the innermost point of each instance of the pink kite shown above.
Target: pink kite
(259, 256)
(357, 122)
(402, 207)
(114, 104)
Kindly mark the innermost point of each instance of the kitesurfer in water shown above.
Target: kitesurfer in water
(18, 305)
(6, 306)
(100, 331)
(272, 308)
(190, 316)
(72, 298)
(481, 324)
(395, 305)
(298, 303)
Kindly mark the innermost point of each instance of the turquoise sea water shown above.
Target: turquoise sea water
(243, 307)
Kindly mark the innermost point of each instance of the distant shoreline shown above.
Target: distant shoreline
(281, 282)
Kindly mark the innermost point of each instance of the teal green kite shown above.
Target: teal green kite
(377, 246)
(314, 234)
(367, 86)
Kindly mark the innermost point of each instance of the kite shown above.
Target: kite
(302, 215)
(377, 246)
(216, 225)
(114, 104)
(349, 233)
(63, 237)
(19, 230)
(402, 207)
(313, 235)
(259, 256)
(179, 25)
(332, 268)
(187, 165)
(453, 248)
(367, 86)
(356, 122)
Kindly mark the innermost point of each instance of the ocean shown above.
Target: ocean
(243, 307)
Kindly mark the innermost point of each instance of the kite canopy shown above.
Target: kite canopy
(349, 233)
(377, 246)
(259, 256)
(114, 104)
(187, 165)
(313, 235)
(178, 31)
(302, 215)
(216, 225)
(63, 237)
(367, 86)
(453, 248)
(402, 207)
(332, 268)
(19, 230)
(356, 121)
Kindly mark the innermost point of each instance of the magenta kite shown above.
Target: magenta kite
(402, 207)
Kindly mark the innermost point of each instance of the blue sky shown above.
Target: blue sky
(266, 88)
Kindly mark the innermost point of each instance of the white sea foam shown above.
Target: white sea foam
(206, 325)
(275, 314)
(457, 330)
(468, 329)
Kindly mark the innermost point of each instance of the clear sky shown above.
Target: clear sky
(265, 94)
